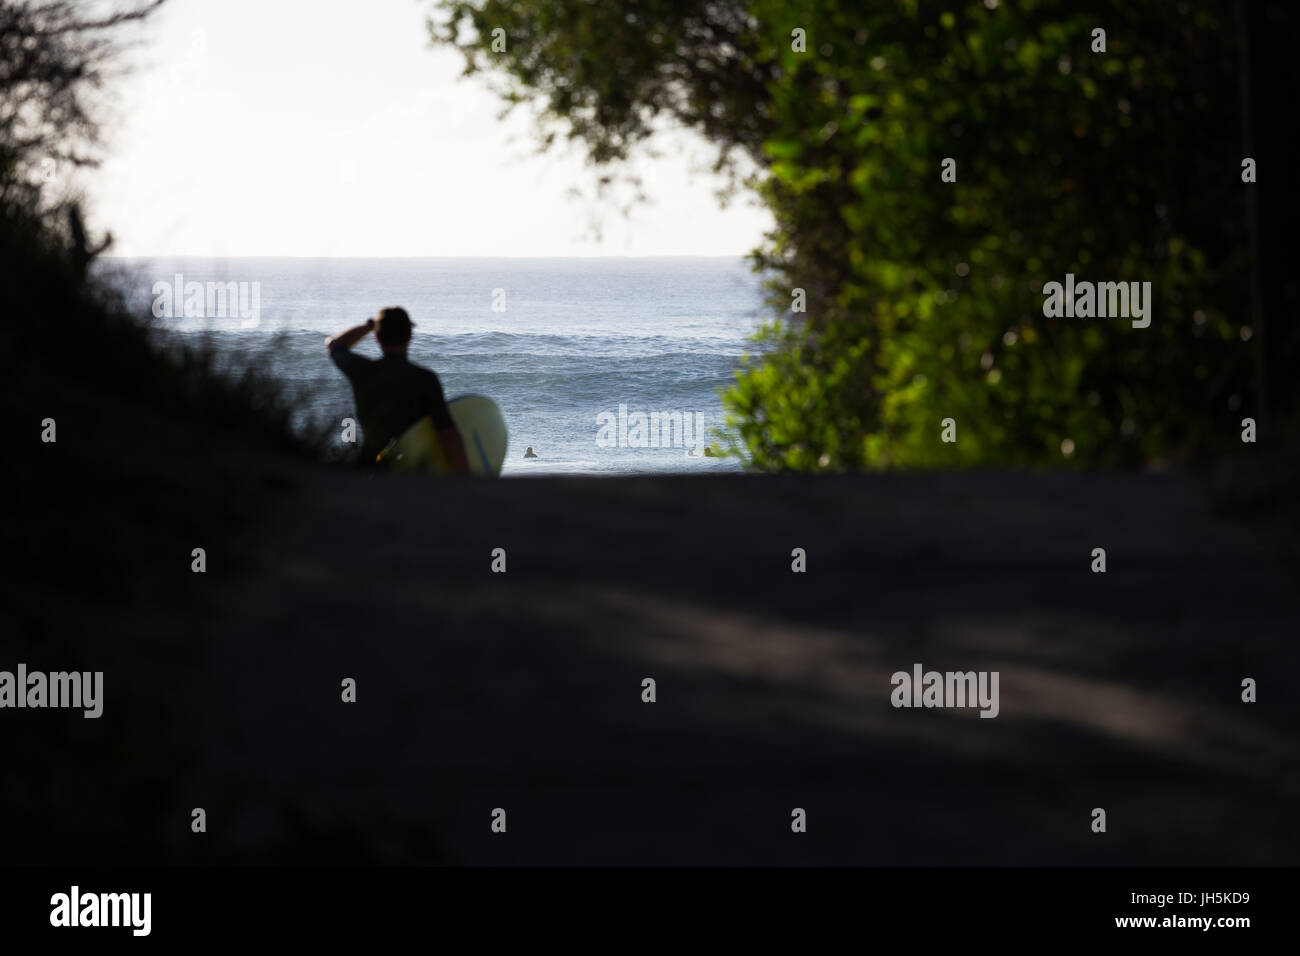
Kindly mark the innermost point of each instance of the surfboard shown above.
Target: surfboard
(481, 426)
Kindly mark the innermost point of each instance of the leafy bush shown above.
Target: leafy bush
(924, 298)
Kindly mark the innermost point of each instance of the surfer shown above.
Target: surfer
(529, 452)
(392, 394)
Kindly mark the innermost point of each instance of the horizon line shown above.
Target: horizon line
(175, 255)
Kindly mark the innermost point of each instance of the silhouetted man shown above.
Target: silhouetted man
(391, 393)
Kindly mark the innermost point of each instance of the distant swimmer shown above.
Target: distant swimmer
(708, 452)
(529, 453)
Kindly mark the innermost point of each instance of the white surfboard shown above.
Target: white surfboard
(481, 427)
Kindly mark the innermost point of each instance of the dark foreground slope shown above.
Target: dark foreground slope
(523, 690)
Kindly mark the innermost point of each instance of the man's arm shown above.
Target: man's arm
(350, 337)
(453, 446)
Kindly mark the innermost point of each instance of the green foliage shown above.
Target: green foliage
(924, 298)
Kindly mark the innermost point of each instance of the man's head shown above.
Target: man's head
(393, 330)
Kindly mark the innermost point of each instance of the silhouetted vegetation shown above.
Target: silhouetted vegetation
(71, 330)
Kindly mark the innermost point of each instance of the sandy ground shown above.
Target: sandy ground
(478, 690)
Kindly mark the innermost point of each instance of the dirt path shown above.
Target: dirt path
(522, 690)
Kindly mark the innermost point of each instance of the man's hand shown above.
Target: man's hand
(349, 338)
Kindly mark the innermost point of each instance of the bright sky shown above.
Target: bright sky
(331, 128)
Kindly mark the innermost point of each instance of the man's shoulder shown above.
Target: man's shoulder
(427, 375)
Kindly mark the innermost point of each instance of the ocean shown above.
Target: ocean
(564, 346)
